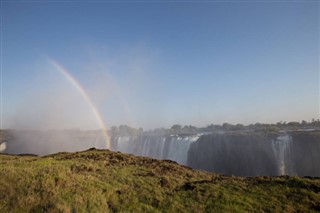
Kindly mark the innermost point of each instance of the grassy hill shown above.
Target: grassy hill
(105, 181)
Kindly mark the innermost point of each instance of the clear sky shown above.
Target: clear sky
(155, 64)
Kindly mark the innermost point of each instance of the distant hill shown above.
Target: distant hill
(105, 181)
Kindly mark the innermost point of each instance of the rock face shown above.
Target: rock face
(295, 153)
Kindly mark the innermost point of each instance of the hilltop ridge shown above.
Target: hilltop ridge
(106, 181)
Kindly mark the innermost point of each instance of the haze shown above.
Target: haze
(155, 64)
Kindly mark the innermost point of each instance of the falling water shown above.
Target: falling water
(281, 150)
(123, 144)
(238, 154)
(172, 147)
(3, 146)
(179, 147)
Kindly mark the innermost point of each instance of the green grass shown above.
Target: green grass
(105, 181)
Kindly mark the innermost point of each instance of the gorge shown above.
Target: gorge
(240, 153)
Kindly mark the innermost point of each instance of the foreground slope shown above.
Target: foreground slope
(105, 181)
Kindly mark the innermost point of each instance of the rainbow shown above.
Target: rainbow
(86, 97)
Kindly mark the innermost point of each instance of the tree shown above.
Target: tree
(227, 126)
(304, 123)
(175, 129)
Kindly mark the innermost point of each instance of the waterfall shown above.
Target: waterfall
(171, 147)
(123, 144)
(281, 150)
(3, 146)
(179, 147)
(234, 153)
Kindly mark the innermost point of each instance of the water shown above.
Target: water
(48, 142)
(3, 146)
(179, 147)
(227, 153)
(171, 147)
(281, 150)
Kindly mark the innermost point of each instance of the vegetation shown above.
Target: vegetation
(177, 129)
(105, 181)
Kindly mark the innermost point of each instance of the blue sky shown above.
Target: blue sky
(160, 63)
